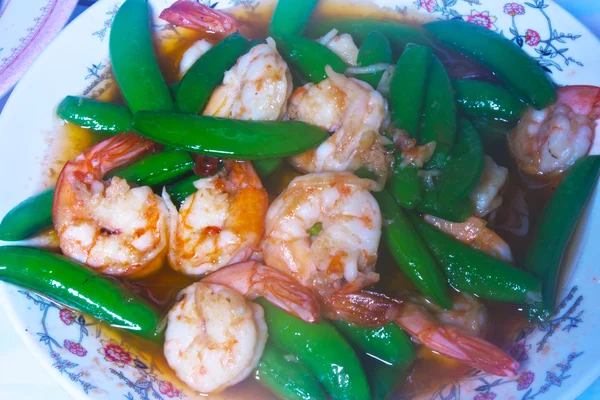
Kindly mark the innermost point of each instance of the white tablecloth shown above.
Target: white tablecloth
(22, 378)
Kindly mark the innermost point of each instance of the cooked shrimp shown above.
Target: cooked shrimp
(220, 223)
(193, 15)
(252, 279)
(342, 45)
(214, 337)
(110, 226)
(193, 54)
(354, 113)
(549, 141)
(324, 230)
(486, 195)
(256, 88)
(364, 308)
(474, 233)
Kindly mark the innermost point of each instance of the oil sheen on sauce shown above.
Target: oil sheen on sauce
(513, 221)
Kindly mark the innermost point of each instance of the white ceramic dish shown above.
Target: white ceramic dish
(559, 359)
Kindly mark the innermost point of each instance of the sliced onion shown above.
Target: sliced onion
(369, 69)
(384, 84)
(328, 36)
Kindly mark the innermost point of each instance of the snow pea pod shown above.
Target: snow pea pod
(203, 77)
(290, 17)
(81, 288)
(229, 138)
(156, 169)
(511, 64)
(405, 185)
(484, 99)
(387, 343)
(407, 88)
(322, 349)
(266, 168)
(375, 49)
(473, 271)
(96, 115)
(557, 224)
(308, 57)
(457, 211)
(410, 252)
(286, 377)
(439, 115)
(133, 62)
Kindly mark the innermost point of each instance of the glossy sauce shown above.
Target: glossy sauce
(512, 221)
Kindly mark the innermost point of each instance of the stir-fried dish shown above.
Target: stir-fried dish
(346, 206)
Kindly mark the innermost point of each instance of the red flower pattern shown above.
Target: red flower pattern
(168, 389)
(67, 316)
(525, 380)
(75, 348)
(532, 38)
(115, 353)
(429, 5)
(513, 9)
(481, 18)
(485, 396)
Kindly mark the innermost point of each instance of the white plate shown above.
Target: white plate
(559, 359)
(26, 29)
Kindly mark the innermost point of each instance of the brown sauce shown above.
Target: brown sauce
(513, 221)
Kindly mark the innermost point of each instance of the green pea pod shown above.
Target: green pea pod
(475, 272)
(29, 217)
(156, 169)
(181, 190)
(96, 115)
(133, 62)
(229, 138)
(383, 378)
(266, 168)
(462, 171)
(375, 49)
(398, 34)
(484, 99)
(308, 57)
(287, 378)
(458, 211)
(387, 343)
(290, 17)
(511, 64)
(81, 288)
(557, 223)
(321, 349)
(493, 133)
(439, 115)
(410, 252)
(405, 185)
(203, 77)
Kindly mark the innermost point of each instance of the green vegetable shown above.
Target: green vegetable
(315, 229)
(475, 272)
(80, 288)
(290, 17)
(439, 115)
(410, 252)
(405, 185)
(557, 224)
(287, 377)
(308, 57)
(203, 77)
(387, 343)
(511, 64)
(156, 169)
(223, 137)
(407, 88)
(181, 190)
(29, 217)
(493, 134)
(95, 115)
(265, 168)
(461, 173)
(375, 49)
(383, 378)
(458, 211)
(398, 34)
(321, 349)
(133, 62)
(484, 99)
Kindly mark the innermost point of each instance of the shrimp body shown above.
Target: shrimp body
(549, 141)
(354, 113)
(474, 233)
(256, 88)
(486, 195)
(214, 337)
(342, 45)
(193, 15)
(220, 223)
(340, 251)
(193, 54)
(110, 226)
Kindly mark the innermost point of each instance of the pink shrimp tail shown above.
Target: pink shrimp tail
(253, 280)
(196, 16)
(367, 309)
